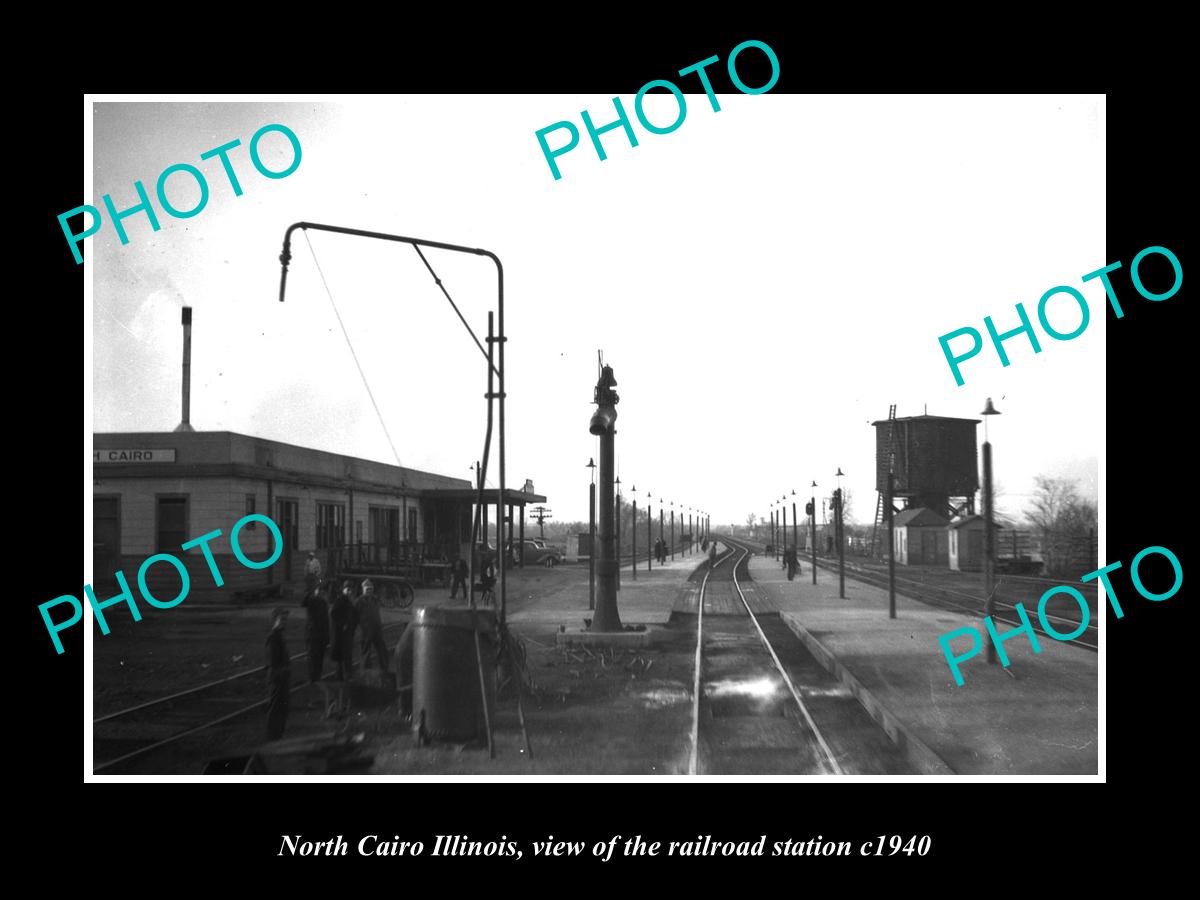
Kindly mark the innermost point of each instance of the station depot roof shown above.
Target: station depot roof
(200, 454)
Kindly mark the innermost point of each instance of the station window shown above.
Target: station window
(287, 517)
(251, 507)
(331, 525)
(383, 525)
(171, 519)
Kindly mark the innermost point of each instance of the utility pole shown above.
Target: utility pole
(542, 515)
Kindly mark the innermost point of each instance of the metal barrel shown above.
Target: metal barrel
(446, 692)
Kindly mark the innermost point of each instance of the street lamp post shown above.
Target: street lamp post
(662, 534)
(617, 534)
(775, 527)
(649, 531)
(837, 530)
(795, 528)
(633, 535)
(783, 506)
(889, 517)
(672, 530)
(592, 536)
(812, 516)
(989, 527)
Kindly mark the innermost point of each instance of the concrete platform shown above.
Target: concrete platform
(1037, 717)
(645, 601)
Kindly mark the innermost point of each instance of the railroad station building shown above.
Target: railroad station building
(153, 491)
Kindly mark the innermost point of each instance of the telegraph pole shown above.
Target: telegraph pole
(542, 515)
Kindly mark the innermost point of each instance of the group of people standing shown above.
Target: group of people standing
(660, 551)
(333, 618)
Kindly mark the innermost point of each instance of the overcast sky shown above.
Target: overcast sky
(764, 281)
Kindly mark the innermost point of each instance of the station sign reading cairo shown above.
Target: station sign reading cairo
(158, 454)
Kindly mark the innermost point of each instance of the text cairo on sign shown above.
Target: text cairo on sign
(158, 454)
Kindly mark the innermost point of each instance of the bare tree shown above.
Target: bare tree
(847, 506)
(1051, 496)
(1067, 524)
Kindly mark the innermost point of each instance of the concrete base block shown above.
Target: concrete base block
(647, 638)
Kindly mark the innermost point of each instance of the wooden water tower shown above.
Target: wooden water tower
(934, 460)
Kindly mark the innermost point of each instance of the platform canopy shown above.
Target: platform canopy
(470, 495)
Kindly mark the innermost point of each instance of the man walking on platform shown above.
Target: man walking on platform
(316, 631)
(460, 571)
(312, 573)
(343, 621)
(371, 623)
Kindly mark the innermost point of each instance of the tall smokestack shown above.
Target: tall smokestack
(186, 424)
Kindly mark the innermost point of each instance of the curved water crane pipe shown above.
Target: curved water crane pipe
(286, 257)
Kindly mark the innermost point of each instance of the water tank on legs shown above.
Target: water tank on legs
(935, 458)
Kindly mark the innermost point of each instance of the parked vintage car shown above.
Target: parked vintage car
(538, 553)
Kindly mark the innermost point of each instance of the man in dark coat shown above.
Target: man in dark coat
(278, 675)
(370, 621)
(460, 571)
(792, 561)
(343, 620)
(316, 631)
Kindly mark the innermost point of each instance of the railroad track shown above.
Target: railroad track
(959, 601)
(761, 703)
(137, 730)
